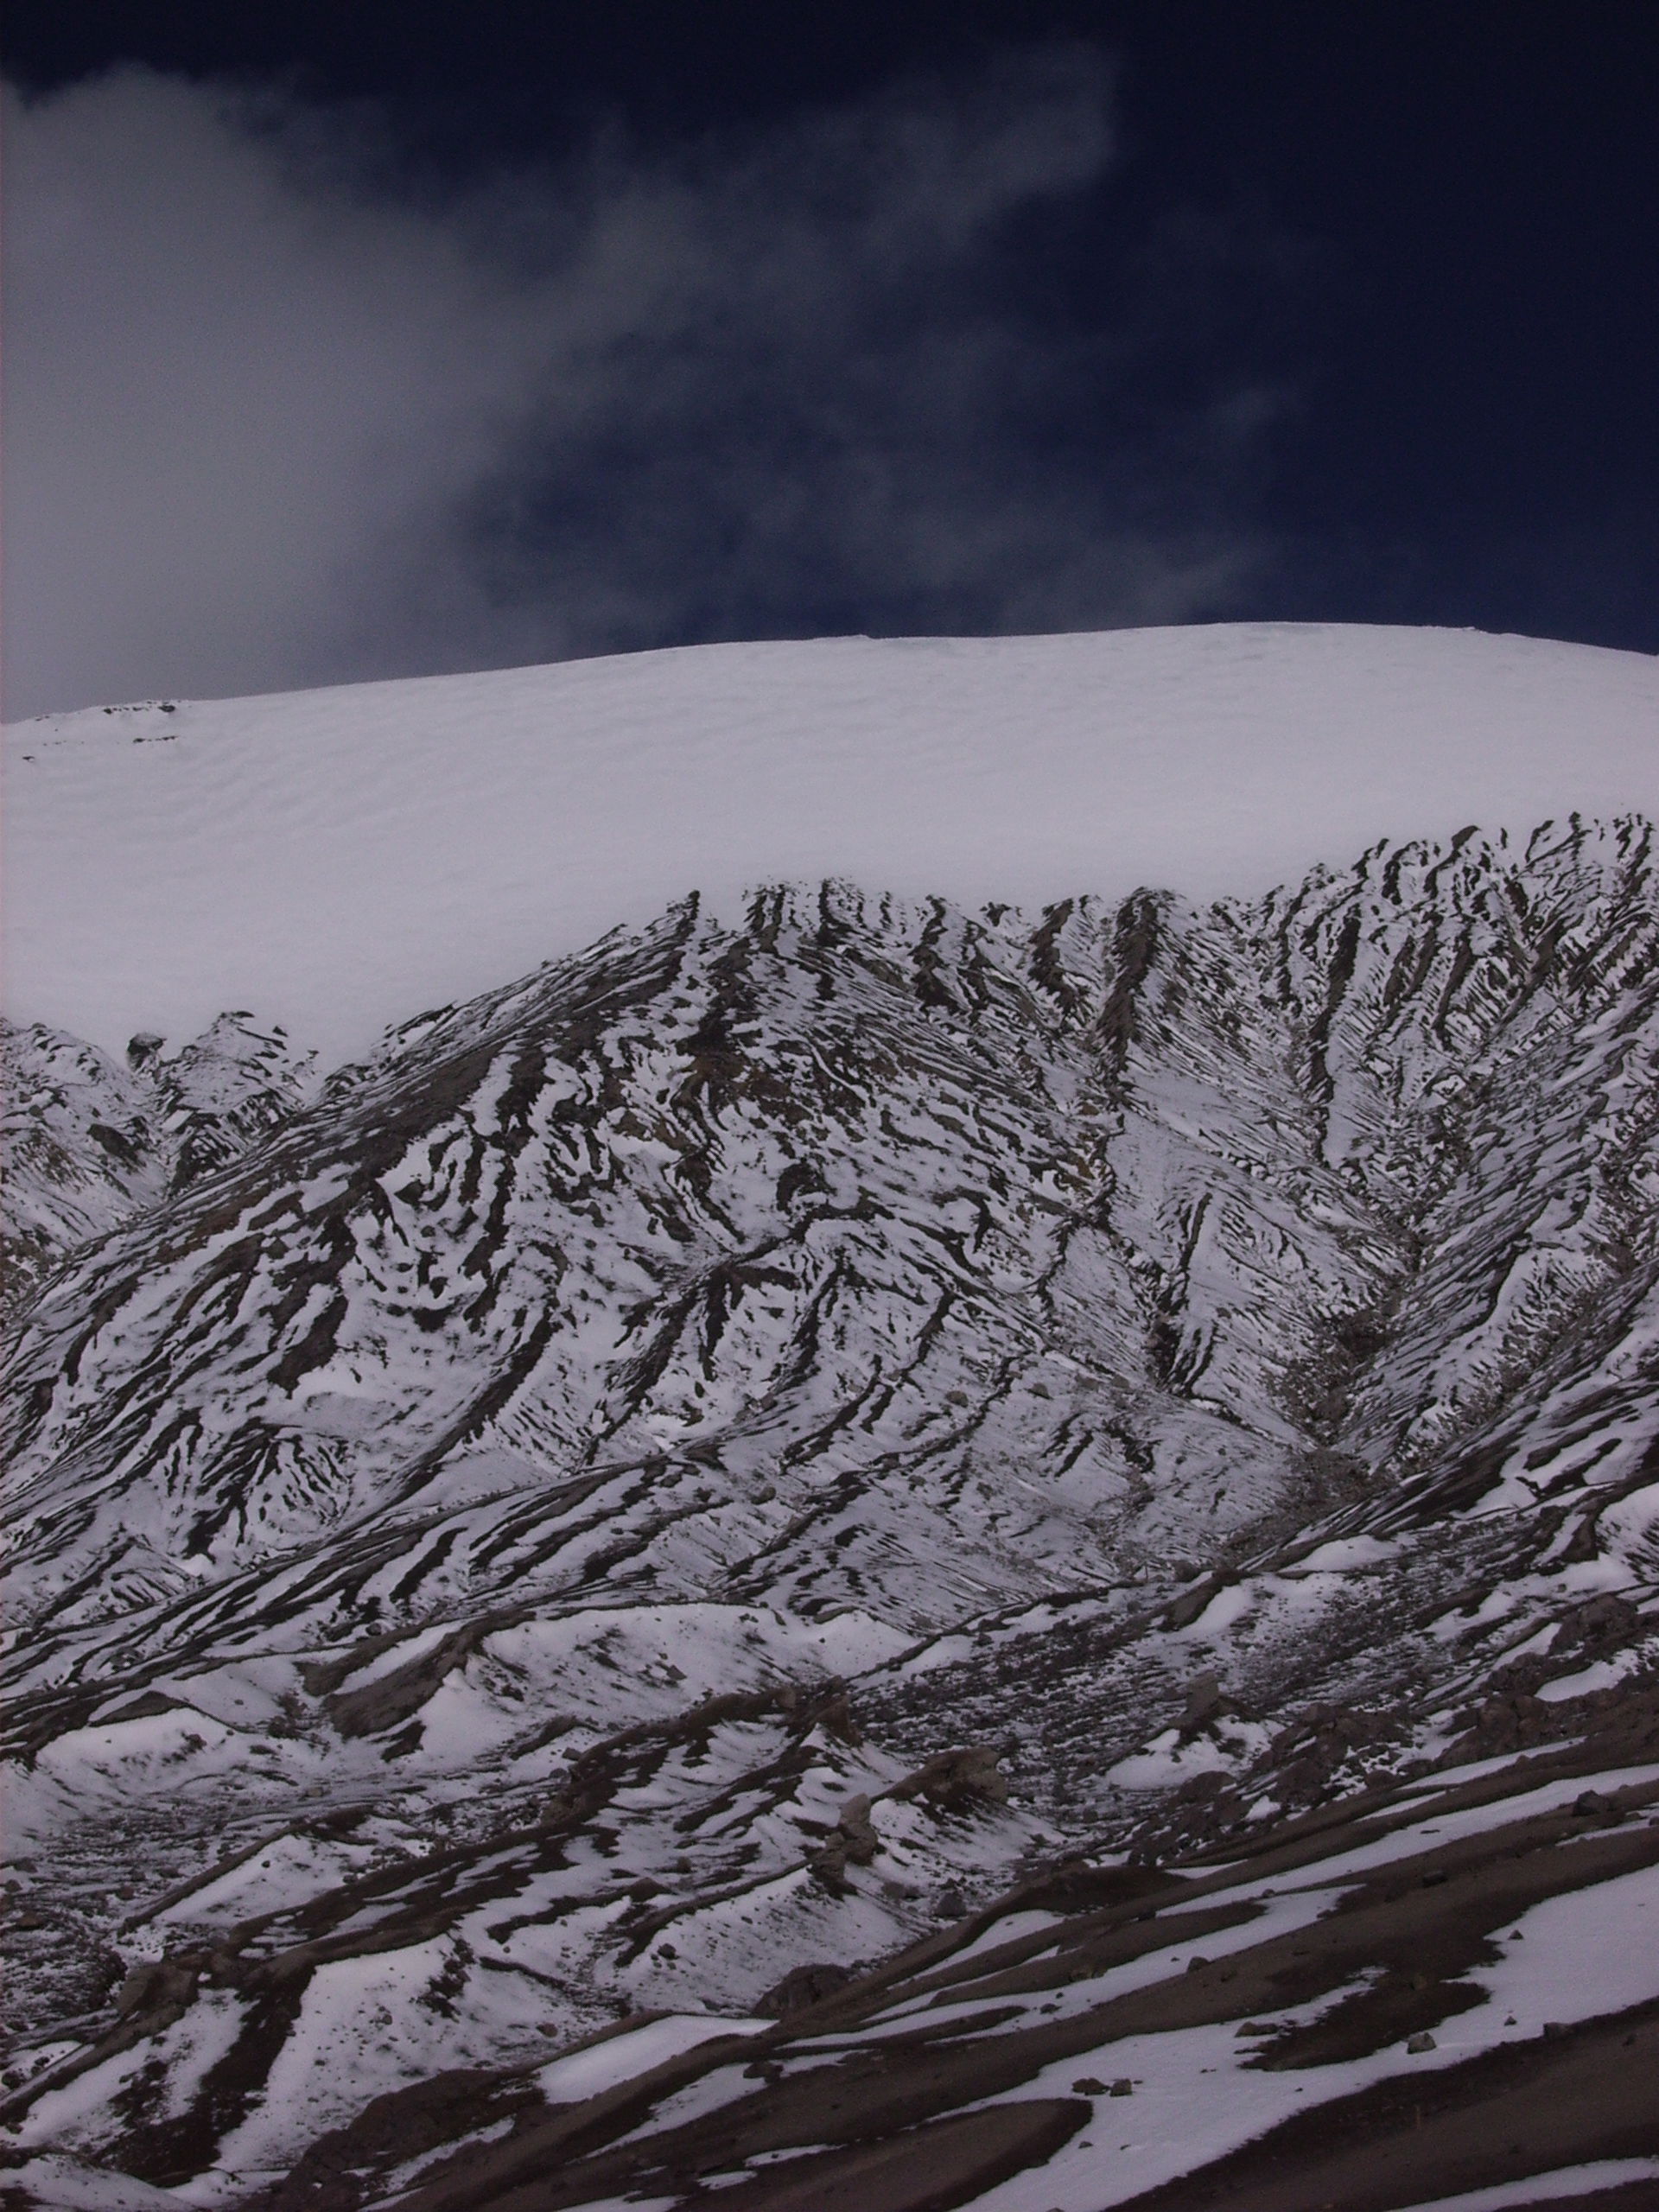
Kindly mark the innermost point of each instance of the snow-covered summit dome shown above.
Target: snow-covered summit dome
(337, 859)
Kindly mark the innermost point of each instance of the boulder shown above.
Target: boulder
(1511, 1724)
(858, 1832)
(957, 1781)
(803, 1986)
(1591, 1805)
(1603, 1620)
(153, 1983)
(1206, 1703)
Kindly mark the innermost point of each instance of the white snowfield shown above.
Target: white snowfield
(338, 859)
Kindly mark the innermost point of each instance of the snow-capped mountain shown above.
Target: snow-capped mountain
(337, 859)
(709, 1566)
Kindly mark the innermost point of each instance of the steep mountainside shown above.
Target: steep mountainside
(741, 1447)
(88, 1143)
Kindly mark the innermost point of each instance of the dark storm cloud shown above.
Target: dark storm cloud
(277, 417)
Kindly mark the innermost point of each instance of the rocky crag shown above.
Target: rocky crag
(857, 1483)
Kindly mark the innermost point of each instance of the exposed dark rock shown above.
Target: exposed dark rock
(803, 1986)
(957, 1781)
(858, 1832)
(156, 1983)
(1206, 1703)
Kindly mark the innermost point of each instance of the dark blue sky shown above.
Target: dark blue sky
(1308, 311)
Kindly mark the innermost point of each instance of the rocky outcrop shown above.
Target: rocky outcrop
(957, 1781)
(803, 1986)
(89, 1144)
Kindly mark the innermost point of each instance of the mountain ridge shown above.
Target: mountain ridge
(335, 858)
(1157, 1323)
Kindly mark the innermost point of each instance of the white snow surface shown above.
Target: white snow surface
(1566, 2181)
(336, 859)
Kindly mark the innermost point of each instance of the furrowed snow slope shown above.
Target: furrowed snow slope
(444, 1528)
(335, 858)
(88, 1141)
(853, 1192)
(983, 1445)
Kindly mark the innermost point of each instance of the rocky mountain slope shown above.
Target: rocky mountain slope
(884, 1437)
(88, 1143)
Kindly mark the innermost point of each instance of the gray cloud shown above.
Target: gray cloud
(275, 418)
